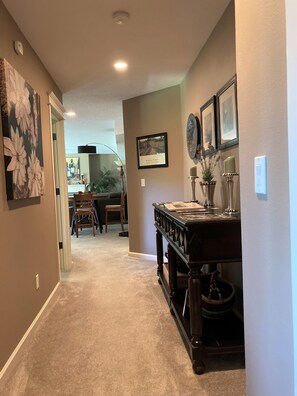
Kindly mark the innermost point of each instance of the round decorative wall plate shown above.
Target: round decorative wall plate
(192, 135)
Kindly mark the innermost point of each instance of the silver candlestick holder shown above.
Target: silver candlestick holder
(230, 209)
(193, 185)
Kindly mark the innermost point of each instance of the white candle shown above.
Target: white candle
(229, 165)
(193, 171)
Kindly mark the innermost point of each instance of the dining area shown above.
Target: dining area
(96, 210)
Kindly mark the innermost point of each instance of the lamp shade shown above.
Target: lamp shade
(86, 149)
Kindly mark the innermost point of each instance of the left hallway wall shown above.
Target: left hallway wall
(28, 240)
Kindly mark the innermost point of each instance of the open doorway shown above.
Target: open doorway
(59, 165)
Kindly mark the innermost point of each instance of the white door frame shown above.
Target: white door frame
(59, 168)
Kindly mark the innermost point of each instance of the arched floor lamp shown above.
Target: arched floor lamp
(89, 148)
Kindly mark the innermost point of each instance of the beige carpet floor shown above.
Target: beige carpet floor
(108, 332)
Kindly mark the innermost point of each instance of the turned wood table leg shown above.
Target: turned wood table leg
(159, 244)
(196, 325)
(172, 271)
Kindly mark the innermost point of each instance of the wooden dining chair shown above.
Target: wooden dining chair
(84, 211)
(120, 208)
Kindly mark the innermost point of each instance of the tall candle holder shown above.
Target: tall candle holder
(193, 185)
(230, 209)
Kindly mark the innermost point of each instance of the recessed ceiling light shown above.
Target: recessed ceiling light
(70, 113)
(120, 66)
(120, 17)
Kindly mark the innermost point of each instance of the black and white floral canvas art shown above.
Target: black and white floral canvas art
(22, 140)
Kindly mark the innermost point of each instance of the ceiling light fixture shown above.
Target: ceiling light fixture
(70, 113)
(120, 66)
(120, 17)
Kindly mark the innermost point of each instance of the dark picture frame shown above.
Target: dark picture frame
(227, 115)
(208, 124)
(22, 135)
(152, 151)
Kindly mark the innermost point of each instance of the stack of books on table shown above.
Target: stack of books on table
(181, 206)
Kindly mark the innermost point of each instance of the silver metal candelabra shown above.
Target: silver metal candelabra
(230, 209)
(193, 185)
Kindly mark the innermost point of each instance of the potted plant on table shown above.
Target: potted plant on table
(208, 160)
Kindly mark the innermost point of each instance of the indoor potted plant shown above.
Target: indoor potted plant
(107, 181)
(208, 160)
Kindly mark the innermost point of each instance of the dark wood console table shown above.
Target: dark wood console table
(196, 239)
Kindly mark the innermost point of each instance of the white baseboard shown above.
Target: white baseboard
(148, 257)
(25, 336)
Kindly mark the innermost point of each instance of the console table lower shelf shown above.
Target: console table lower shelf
(194, 241)
(220, 336)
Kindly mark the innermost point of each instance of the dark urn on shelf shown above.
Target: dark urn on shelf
(218, 296)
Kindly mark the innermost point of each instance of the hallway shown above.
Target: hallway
(108, 331)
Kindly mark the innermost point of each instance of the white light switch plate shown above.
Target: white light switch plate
(260, 174)
(142, 182)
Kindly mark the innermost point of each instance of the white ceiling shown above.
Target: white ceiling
(78, 41)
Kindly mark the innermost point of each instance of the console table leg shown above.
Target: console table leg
(196, 326)
(160, 255)
(198, 366)
(172, 271)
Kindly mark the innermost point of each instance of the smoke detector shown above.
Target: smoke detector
(120, 17)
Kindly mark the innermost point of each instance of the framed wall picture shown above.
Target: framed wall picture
(22, 137)
(152, 151)
(208, 124)
(73, 170)
(227, 115)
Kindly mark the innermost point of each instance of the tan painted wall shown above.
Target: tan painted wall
(262, 100)
(28, 241)
(144, 115)
(291, 29)
(214, 66)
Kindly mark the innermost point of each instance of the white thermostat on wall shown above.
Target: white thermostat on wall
(260, 175)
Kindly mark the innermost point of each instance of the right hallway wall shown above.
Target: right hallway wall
(261, 58)
(250, 41)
